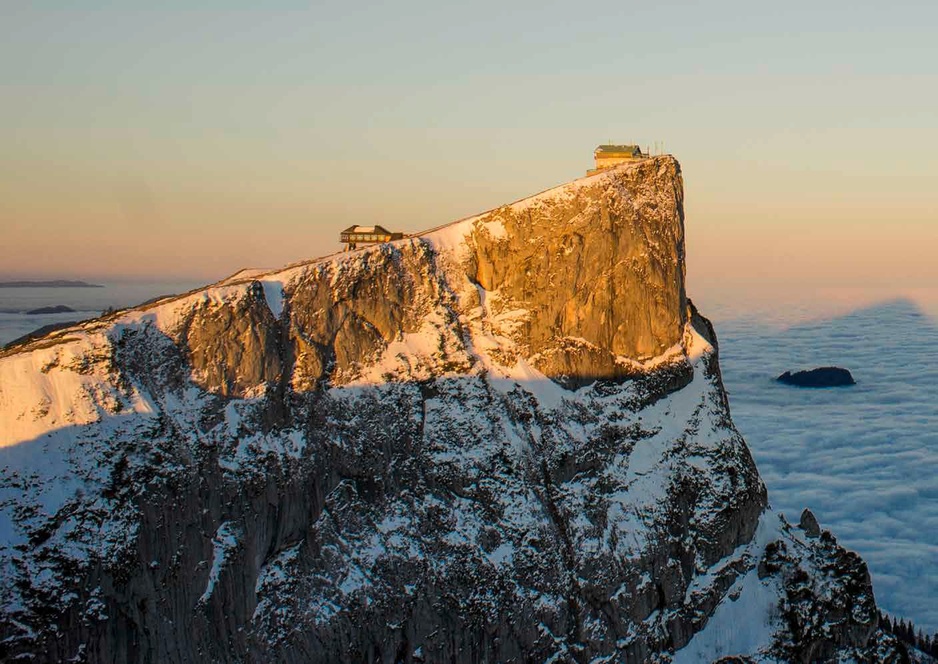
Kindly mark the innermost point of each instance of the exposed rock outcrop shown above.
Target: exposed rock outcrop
(809, 524)
(503, 440)
(600, 270)
(820, 377)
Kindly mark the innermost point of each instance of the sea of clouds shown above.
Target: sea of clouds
(862, 458)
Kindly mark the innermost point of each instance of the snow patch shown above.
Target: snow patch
(225, 542)
(747, 619)
(273, 292)
(68, 384)
(495, 228)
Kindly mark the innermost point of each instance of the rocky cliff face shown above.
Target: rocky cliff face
(503, 440)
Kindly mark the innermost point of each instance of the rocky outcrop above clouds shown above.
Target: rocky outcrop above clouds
(820, 377)
(503, 440)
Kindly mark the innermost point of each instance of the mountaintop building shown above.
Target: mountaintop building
(607, 156)
(356, 235)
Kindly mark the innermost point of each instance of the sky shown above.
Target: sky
(190, 143)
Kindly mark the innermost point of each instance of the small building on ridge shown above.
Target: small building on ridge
(607, 156)
(356, 235)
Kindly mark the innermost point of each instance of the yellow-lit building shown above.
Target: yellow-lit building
(607, 156)
(356, 235)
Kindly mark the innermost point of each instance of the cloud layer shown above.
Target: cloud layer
(864, 458)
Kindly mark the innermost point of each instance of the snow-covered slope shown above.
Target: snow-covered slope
(503, 440)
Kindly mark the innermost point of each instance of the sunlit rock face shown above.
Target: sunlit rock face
(503, 440)
(583, 280)
(598, 267)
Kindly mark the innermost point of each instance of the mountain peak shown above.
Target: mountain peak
(505, 438)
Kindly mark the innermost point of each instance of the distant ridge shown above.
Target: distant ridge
(55, 283)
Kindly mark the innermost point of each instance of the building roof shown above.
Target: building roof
(608, 150)
(380, 230)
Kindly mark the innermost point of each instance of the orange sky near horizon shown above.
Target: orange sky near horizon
(144, 144)
(740, 226)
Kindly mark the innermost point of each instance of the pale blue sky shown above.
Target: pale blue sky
(141, 141)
